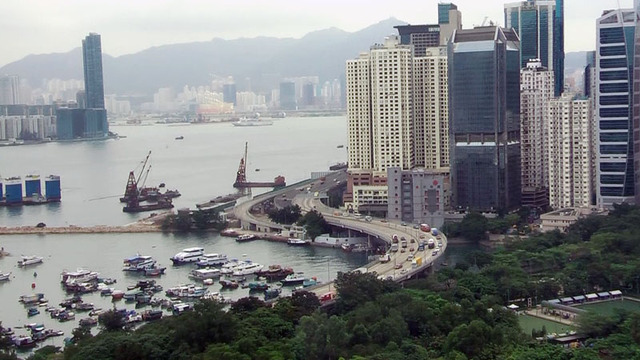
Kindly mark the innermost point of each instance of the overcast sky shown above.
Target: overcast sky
(128, 26)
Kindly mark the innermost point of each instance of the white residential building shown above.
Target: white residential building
(569, 150)
(431, 109)
(536, 90)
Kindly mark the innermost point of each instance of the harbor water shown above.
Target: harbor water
(201, 166)
(105, 253)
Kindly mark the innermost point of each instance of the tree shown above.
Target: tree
(473, 227)
(315, 224)
(111, 321)
(246, 305)
(287, 215)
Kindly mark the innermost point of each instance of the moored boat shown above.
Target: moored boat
(155, 271)
(29, 260)
(5, 276)
(271, 293)
(297, 242)
(212, 260)
(293, 279)
(138, 263)
(258, 285)
(245, 237)
(189, 255)
(229, 284)
(202, 274)
(247, 269)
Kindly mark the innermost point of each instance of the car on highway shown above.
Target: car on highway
(416, 226)
(403, 223)
(411, 249)
(398, 266)
(403, 250)
(404, 271)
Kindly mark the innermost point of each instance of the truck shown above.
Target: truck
(394, 238)
(361, 270)
(431, 243)
(421, 247)
(416, 262)
(394, 247)
(434, 232)
(404, 243)
(425, 227)
(385, 258)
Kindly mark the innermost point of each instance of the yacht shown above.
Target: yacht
(212, 260)
(189, 255)
(29, 260)
(229, 267)
(138, 263)
(293, 279)
(202, 274)
(187, 291)
(247, 269)
(297, 242)
(79, 276)
(4, 276)
(245, 237)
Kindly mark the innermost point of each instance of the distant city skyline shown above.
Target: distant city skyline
(41, 27)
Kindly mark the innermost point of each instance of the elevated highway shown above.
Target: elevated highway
(307, 195)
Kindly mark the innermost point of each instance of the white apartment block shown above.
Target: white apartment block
(379, 107)
(359, 113)
(536, 90)
(569, 151)
(431, 109)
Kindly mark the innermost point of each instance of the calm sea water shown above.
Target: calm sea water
(201, 166)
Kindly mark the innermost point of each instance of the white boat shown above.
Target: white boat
(247, 269)
(298, 242)
(293, 279)
(229, 267)
(138, 263)
(4, 276)
(245, 237)
(212, 260)
(190, 255)
(187, 291)
(29, 260)
(79, 276)
(253, 121)
(202, 274)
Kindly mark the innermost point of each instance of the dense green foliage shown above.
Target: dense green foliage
(195, 220)
(315, 224)
(287, 215)
(457, 313)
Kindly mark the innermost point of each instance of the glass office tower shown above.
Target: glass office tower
(615, 107)
(484, 113)
(540, 26)
(93, 82)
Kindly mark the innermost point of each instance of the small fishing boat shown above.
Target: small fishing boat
(4, 276)
(229, 284)
(29, 260)
(32, 311)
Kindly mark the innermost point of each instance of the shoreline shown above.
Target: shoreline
(96, 229)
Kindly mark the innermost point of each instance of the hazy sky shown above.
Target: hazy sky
(128, 26)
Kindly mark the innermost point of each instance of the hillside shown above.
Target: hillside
(263, 59)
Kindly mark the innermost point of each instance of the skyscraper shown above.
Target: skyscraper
(379, 107)
(430, 98)
(484, 113)
(536, 89)
(540, 26)
(93, 81)
(9, 90)
(569, 152)
(615, 107)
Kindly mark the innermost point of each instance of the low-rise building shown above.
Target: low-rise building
(563, 218)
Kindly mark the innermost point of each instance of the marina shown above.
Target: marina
(113, 249)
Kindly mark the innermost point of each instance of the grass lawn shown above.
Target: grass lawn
(528, 323)
(607, 307)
